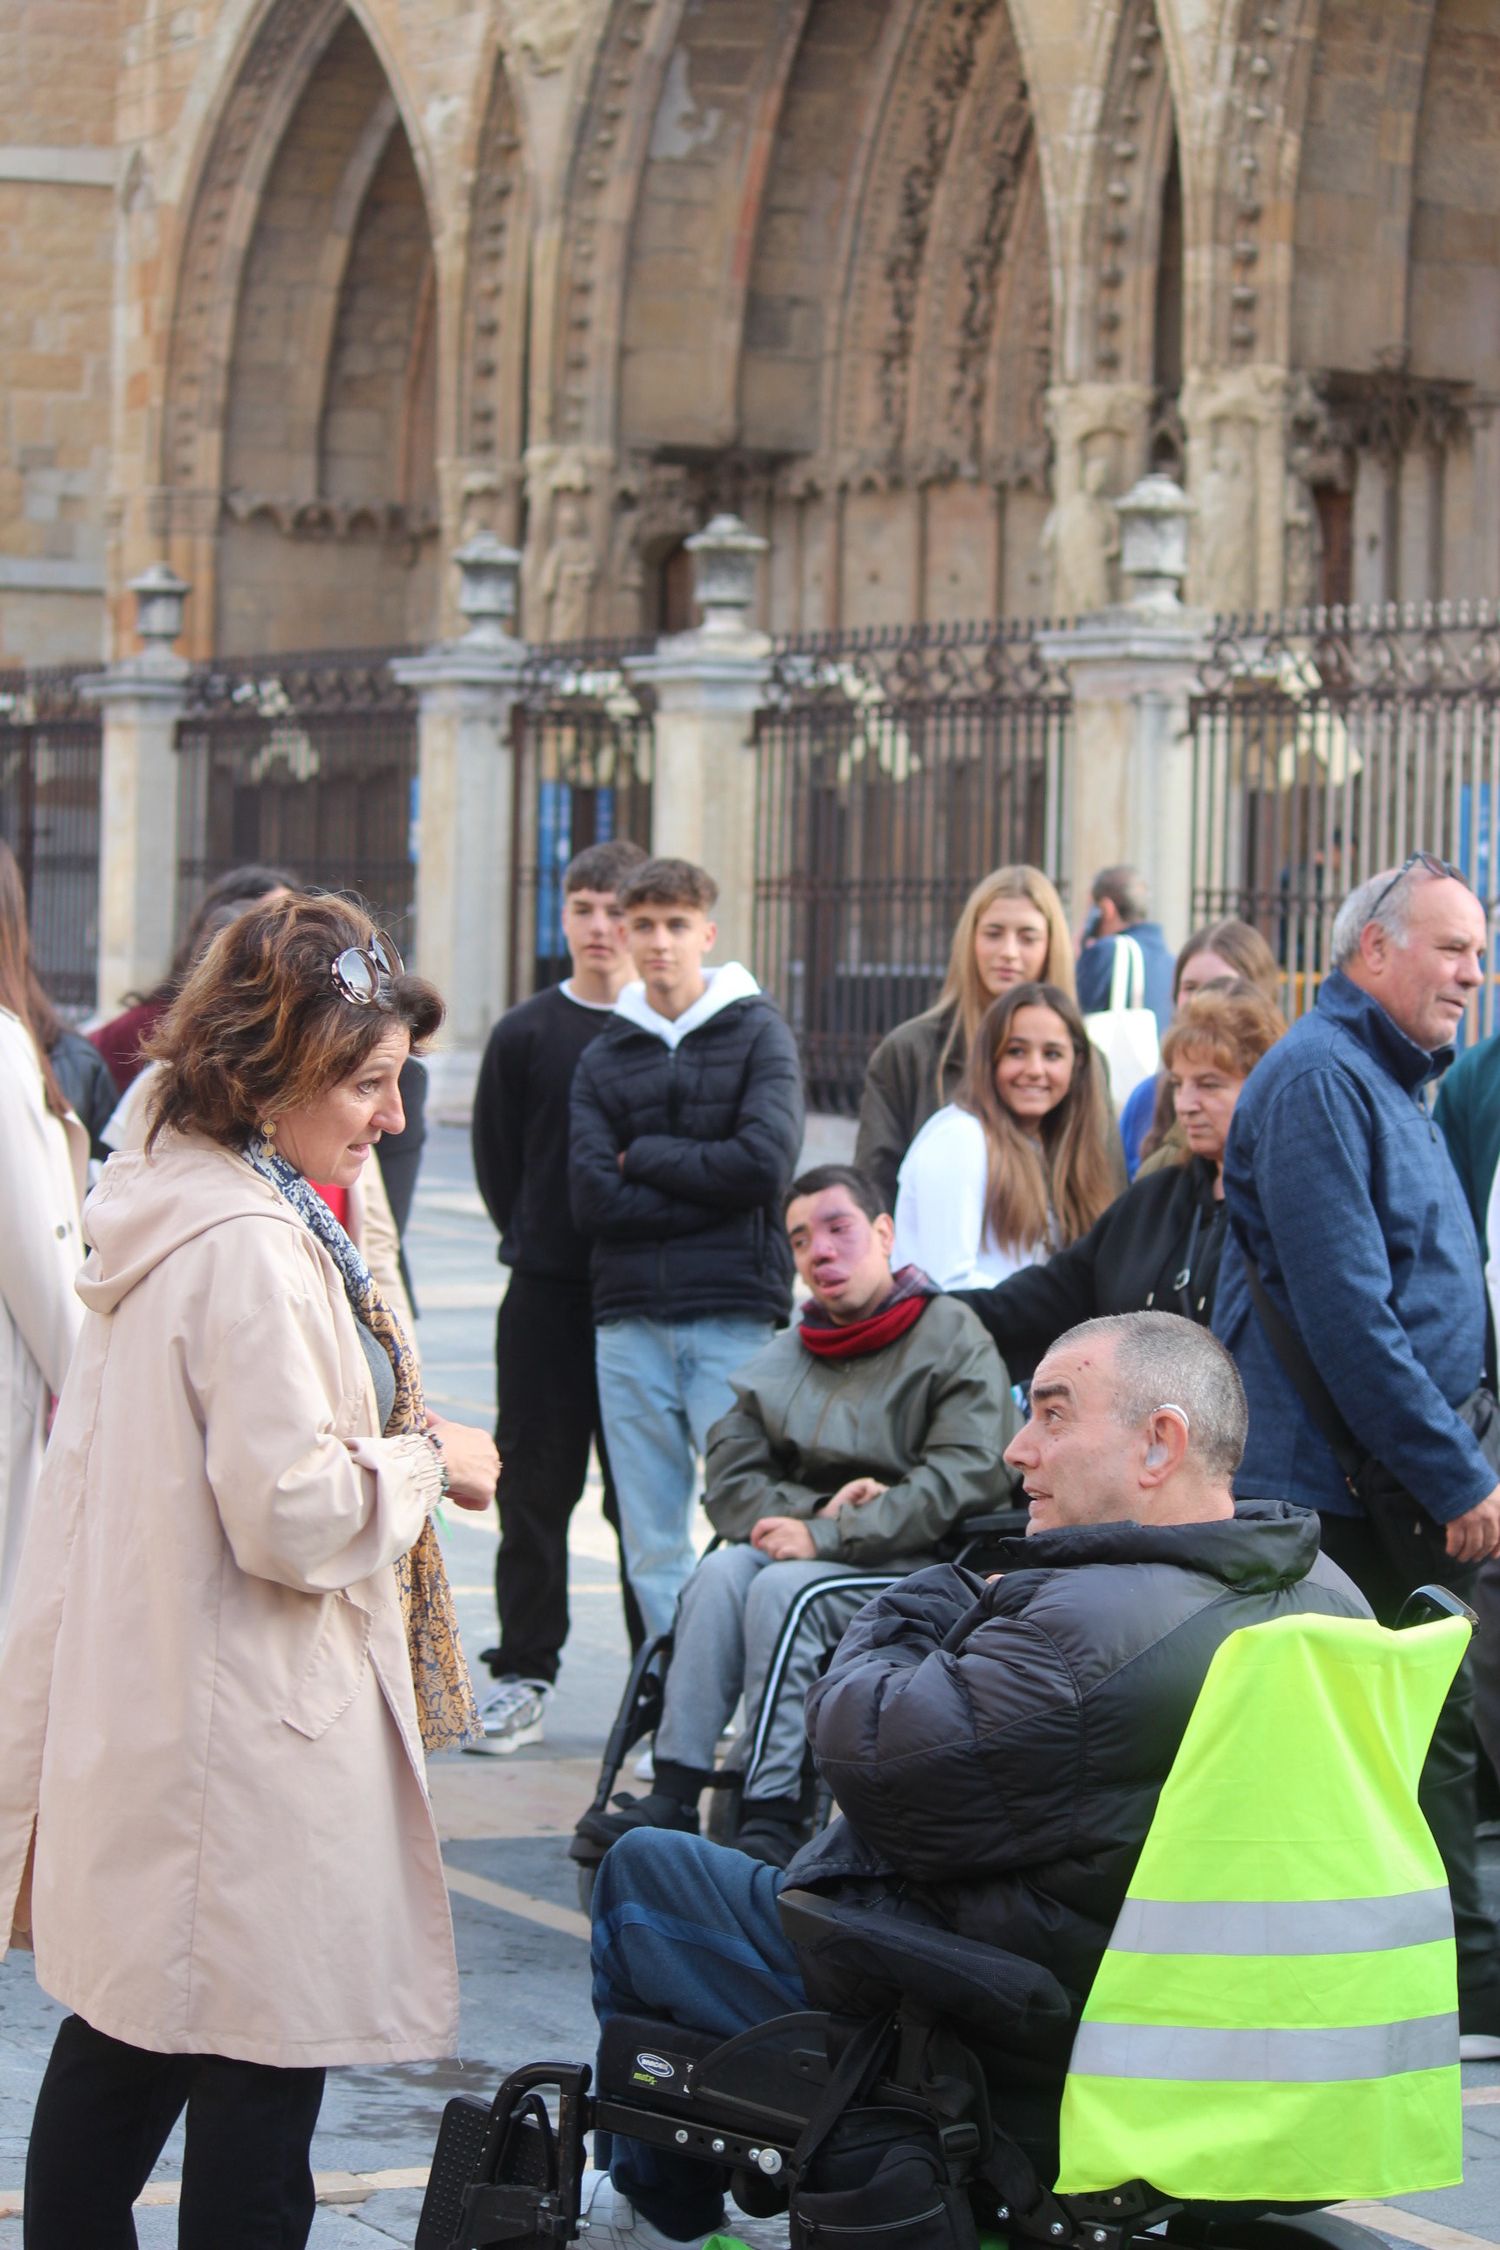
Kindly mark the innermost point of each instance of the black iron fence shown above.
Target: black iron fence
(583, 764)
(308, 762)
(50, 761)
(895, 767)
(1331, 743)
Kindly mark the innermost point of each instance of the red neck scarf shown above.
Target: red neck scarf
(855, 1339)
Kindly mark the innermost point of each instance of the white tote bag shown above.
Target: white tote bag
(1125, 1032)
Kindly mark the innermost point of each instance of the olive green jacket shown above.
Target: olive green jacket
(929, 1416)
(901, 1093)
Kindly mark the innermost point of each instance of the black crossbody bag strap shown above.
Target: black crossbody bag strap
(1297, 1366)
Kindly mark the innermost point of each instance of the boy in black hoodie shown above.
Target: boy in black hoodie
(687, 1122)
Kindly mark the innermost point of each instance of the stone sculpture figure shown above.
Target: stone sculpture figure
(1082, 538)
(1226, 530)
(570, 572)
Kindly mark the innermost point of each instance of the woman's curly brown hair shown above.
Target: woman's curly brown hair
(260, 1026)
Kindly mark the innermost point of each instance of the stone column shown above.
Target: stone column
(466, 691)
(1127, 792)
(708, 686)
(141, 699)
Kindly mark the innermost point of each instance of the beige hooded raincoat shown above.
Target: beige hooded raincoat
(214, 1824)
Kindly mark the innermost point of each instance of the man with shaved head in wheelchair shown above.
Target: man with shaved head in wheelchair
(996, 1746)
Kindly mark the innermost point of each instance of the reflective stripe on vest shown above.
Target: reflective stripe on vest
(1253, 2058)
(1287, 1926)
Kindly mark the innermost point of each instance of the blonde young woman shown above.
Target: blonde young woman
(1021, 1162)
(1012, 931)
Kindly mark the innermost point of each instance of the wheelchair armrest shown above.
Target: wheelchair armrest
(981, 1529)
(886, 1959)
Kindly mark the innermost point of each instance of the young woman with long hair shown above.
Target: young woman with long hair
(1012, 930)
(43, 1153)
(1019, 1163)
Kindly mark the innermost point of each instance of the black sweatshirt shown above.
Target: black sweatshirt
(520, 1132)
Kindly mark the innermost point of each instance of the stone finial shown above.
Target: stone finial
(1153, 518)
(725, 555)
(489, 573)
(160, 598)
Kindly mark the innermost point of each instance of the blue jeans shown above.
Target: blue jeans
(662, 1385)
(694, 1927)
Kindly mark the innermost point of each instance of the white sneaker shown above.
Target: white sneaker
(1479, 2046)
(612, 2223)
(512, 1714)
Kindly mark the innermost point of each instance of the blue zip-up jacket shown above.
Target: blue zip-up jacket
(1341, 1187)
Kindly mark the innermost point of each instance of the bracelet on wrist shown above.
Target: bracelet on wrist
(442, 1459)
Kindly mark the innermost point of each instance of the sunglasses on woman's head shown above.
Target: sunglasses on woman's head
(361, 972)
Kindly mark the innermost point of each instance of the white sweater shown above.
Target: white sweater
(940, 1223)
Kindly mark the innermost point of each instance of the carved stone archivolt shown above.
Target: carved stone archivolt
(1263, 60)
(1135, 137)
(244, 147)
(545, 32)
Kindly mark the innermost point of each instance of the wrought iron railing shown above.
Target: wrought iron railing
(584, 743)
(1330, 743)
(50, 753)
(302, 760)
(895, 767)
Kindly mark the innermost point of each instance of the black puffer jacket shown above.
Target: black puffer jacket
(691, 1225)
(1157, 1247)
(1021, 1730)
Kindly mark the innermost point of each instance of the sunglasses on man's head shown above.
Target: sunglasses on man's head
(1433, 866)
(361, 972)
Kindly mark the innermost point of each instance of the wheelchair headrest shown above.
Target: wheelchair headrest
(880, 1959)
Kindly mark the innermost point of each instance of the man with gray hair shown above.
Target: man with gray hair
(1121, 908)
(997, 1746)
(1352, 1298)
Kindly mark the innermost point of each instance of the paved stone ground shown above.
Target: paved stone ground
(521, 1939)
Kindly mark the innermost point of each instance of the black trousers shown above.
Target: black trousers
(1448, 1778)
(548, 1419)
(103, 2116)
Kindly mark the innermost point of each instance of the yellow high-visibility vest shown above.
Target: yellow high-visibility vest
(1277, 2013)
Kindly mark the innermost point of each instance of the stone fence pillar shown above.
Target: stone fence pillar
(466, 692)
(141, 700)
(1127, 792)
(708, 685)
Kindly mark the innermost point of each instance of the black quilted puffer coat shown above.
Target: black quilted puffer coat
(998, 1749)
(691, 1225)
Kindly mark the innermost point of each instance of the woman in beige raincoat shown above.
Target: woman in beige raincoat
(231, 1638)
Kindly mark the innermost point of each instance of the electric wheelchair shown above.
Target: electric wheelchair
(916, 2103)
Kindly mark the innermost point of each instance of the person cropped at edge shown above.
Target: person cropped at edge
(1158, 1246)
(996, 1747)
(1012, 931)
(686, 1123)
(233, 1639)
(1121, 908)
(1340, 1187)
(548, 1396)
(43, 1154)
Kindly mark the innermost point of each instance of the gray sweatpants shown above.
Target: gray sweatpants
(729, 1624)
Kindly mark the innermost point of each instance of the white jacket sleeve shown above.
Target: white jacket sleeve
(41, 1248)
(940, 1201)
(297, 1505)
